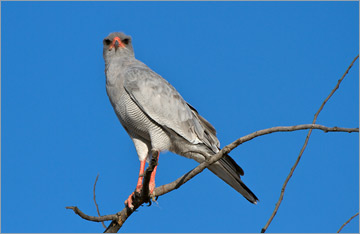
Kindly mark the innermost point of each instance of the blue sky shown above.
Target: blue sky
(245, 66)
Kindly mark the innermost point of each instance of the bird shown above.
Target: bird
(158, 119)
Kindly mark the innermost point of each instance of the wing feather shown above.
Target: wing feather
(162, 103)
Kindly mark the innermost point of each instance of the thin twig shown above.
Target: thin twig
(122, 216)
(97, 207)
(303, 148)
(347, 222)
(92, 218)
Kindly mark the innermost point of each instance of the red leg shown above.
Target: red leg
(128, 202)
(141, 176)
(152, 178)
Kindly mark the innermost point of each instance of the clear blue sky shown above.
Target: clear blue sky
(245, 66)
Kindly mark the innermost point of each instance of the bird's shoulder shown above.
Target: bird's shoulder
(139, 75)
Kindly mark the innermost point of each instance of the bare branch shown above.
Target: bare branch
(303, 148)
(139, 199)
(97, 207)
(92, 218)
(347, 222)
(119, 218)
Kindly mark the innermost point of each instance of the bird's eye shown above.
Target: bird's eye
(126, 41)
(107, 41)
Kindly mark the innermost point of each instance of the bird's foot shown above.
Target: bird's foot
(152, 196)
(129, 201)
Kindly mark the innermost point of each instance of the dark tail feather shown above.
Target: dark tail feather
(228, 170)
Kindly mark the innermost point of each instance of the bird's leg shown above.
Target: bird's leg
(156, 155)
(128, 201)
(141, 176)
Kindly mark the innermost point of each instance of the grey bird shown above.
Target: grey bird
(156, 117)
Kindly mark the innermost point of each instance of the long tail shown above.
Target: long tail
(227, 170)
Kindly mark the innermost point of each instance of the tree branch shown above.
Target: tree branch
(92, 218)
(304, 146)
(161, 190)
(120, 217)
(347, 222)
(97, 207)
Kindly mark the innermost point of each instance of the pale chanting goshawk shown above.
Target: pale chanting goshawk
(156, 117)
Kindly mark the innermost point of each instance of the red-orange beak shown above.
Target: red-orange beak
(116, 43)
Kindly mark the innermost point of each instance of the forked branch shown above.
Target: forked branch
(119, 218)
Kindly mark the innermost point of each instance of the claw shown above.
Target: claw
(149, 203)
(128, 202)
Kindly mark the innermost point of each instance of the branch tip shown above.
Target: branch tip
(305, 144)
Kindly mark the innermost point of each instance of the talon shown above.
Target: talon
(129, 201)
(154, 199)
(149, 203)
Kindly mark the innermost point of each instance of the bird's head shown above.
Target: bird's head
(117, 44)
